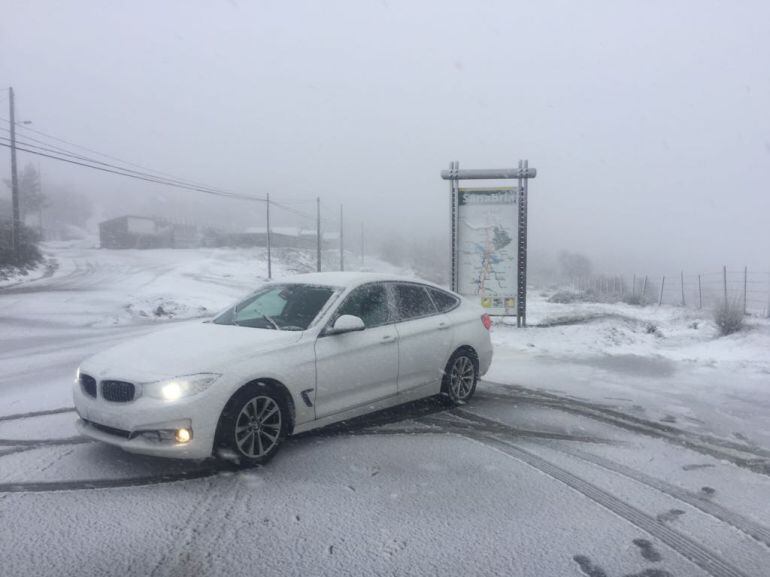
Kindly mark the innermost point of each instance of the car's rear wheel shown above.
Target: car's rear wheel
(460, 376)
(253, 425)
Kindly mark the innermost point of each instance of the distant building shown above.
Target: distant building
(146, 232)
(149, 232)
(280, 237)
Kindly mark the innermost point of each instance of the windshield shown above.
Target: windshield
(284, 307)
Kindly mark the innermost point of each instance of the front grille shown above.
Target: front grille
(117, 391)
(110, 430)
(88, 383)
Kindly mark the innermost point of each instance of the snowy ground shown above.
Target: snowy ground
(666, 364)
(604, 448)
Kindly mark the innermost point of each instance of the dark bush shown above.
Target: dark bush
(566, 297)
(29, 254)
(729, 316)
(635, 299)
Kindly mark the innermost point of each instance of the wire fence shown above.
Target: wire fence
(747, 287)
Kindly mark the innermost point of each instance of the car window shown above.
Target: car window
(270, 303)
(369, 303)
(444, 301)
(413, 301)
(289, 307)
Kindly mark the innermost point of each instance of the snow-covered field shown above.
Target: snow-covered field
(608, 441)
(667, 364)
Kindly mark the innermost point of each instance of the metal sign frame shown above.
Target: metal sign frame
(522, 174)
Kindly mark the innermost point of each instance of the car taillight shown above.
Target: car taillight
(486, 320)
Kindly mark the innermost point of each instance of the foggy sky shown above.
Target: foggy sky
(648, 121)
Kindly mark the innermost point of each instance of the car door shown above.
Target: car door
(356, 368)
(424, 337)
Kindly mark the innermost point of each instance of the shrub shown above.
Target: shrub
(29, 255)
(565, 297)
(634, 299)
(729, 316)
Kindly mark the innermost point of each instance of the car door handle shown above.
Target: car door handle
(443, 325)
(387, 339)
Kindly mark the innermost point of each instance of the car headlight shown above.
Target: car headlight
(178, 387)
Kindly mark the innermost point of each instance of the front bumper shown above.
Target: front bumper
(130, 425)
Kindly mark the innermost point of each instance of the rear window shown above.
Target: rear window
(444, 301)
(413, 301)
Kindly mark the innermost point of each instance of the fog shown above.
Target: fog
(647, 121)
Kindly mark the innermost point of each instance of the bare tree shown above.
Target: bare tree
(31, 198)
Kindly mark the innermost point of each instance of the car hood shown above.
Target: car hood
(185, 350)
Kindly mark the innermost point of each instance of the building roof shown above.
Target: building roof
(284, 230)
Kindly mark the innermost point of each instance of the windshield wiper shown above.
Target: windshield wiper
(272, 322)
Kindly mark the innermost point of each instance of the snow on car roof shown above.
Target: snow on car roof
(339, 278)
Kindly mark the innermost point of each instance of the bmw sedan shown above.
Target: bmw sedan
(293, 356)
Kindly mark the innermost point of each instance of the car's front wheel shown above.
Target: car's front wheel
(253, 425)
(460, 376)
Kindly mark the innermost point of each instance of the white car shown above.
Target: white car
(294, 355)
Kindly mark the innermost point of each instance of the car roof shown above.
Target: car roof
(349, 279)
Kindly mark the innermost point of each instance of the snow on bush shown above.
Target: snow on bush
(729, 316)
(566, 297)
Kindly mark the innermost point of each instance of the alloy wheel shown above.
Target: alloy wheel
(462, 377)
(258, 427)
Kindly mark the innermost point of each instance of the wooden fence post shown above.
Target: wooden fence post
(724, 282)
(700, 295)
(662, 284)
(682, 283)
(745, 288)
(768, 295)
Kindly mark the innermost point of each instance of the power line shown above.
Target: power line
(164, 175)
(137, 176)
(56, 152)
(61, 151)
(292, 210)
(106, 167)
(92, 151)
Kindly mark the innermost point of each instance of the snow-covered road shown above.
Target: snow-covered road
(517, 482)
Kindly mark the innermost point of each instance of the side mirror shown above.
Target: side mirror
(346, 324)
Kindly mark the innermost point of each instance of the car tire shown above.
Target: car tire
(253, 425)
(460, 376)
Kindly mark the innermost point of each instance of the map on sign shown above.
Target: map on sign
(487, 247)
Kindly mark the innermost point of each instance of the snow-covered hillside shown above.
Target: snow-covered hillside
(142, 286)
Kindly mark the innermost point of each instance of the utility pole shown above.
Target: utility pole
(342, 244)
(362, 244)
(40, 202)
(269, 261)
(16, 228)
(318, 232)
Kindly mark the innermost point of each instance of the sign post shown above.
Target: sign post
(486, 264)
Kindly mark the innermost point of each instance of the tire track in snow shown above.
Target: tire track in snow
(17, 416)
(753, 459)
(80, 484)
(691, 550)
(177, 558)
(696, 500)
